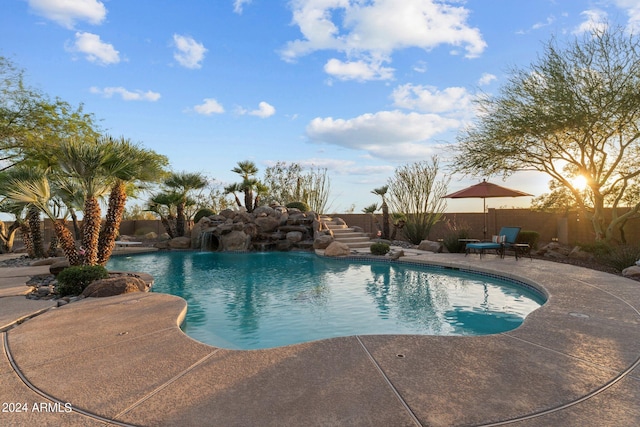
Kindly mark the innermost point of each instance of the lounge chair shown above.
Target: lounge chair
(506, 239)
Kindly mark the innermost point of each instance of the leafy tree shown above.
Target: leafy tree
(371, 210)
(291, 183)
(416, 193)
(30, 121)
(574, 112)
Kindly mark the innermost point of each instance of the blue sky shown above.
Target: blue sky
(356, 86)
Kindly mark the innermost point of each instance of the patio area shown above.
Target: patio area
(124, 361)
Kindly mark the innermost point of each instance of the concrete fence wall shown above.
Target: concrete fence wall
(566, 228)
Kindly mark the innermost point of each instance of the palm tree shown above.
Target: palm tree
(36, 192)
(181, 184)
(382, 191)
(164, 205)
(247, 170)
(371, 210)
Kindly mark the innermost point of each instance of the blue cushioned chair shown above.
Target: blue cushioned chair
(510, 235)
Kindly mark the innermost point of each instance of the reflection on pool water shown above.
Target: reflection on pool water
(270, 299)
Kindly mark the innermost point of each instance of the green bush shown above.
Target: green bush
(530, 237)
(201, 214)
(380, 248)
(302, 206)
(73, 280)
(452, 241)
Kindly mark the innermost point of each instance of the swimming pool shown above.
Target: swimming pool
(270, 299)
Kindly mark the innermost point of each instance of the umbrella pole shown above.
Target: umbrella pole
(484, 211)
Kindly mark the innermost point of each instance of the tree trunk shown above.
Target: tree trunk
(67, 242)
(26, 239)
(180, 219)
(37, 243)
(248, 200)
(385, 220)
(53, 246)
(76, 228)
(107, 239)
(7, 236)
(91, 230)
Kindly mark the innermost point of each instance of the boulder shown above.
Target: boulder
(47, 261)
(164, 236)
(164, 244)
(578, 253)
(261, 211)
(267, 223)
(152, 235)
(396, 254)
(294, 236)
(322, 241)
(337, 249)
(632, 272)
(180, 243)
(115, 286)
(235, 241)
(428, 245)
(57, 267)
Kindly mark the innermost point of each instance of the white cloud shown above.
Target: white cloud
(632, 8)
(125, 94)
(385, 134)
(94, 49)
(67, 12)
(550, 20)
(595, 20)
(357, 70)
(189, 52)
(238, 5)
(371, 31)
(264, 110)
(452, 101)
(208, 107)
(486, 79)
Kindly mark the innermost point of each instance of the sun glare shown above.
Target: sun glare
(579, 182)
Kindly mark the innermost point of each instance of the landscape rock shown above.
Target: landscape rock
(428, 245)
(57, 267)
(180, 243)
(578, 253)
(632, 272)
(396, 255)
(267, 223)
(337, 249)
(235, 241)
(152, 235)
(164, 236)
(294, 236)
(322, 241)
(47, 261)
(115, 286)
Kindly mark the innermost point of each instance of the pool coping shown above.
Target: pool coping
(574, 361)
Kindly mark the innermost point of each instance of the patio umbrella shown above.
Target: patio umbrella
(483, 191)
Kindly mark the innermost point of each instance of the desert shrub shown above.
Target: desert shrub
(202, 213)
(380, 248)
(452, 241)
(454, 231)
(620, 257)
(530, 237)
(599, 249)
(302, 206)
(73, 280)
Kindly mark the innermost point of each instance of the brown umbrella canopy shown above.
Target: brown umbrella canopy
(484, 190)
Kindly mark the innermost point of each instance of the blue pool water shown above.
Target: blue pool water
(263, 300)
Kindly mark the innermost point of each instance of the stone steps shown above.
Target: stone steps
(347, 235)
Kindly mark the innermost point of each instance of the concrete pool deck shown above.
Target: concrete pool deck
(124, 361)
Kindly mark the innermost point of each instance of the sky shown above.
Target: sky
(359, 87)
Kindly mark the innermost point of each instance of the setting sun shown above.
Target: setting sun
(579, 182)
